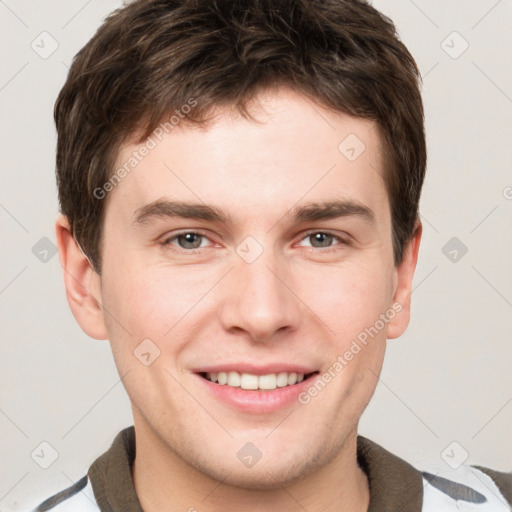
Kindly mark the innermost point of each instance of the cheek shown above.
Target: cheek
(141, 298)
(141, 306)
(348, 299)
(155, 302)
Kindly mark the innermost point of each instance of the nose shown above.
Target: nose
(259, 299)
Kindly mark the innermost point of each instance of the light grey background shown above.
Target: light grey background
(447, 379)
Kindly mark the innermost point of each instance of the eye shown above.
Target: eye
(323, 239)
(187, 241)
(192, 241)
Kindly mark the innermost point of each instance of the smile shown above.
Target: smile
(249, 381)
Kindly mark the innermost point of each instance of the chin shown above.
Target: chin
(258, 479)
(263, 475)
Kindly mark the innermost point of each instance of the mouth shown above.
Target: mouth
(253, 382)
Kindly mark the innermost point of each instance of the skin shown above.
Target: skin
(299, 302)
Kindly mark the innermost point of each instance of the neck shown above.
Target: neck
(164, 482)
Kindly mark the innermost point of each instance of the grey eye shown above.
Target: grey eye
(323, 239)
(190, 240)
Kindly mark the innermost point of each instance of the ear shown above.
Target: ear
(403, 287)
(82, 282)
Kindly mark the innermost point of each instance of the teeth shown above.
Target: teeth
(233, 379)
(251, 381)
(248, 381)
(282, 379)
(267, 381)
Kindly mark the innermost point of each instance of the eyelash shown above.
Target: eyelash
(166, 243)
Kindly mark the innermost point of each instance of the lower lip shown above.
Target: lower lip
(257, 402)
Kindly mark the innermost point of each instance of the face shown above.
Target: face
(261, 253)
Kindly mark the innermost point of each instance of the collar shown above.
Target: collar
(394, 484)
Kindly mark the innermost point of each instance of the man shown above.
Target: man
(239, 187)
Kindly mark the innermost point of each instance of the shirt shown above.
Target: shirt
(395, 485)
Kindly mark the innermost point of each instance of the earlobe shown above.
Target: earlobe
(82, 282)
(404, 278)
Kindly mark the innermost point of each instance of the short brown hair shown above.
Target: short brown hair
(151, 56)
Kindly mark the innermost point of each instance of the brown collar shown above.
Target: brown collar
(111, 476)
(394, 484)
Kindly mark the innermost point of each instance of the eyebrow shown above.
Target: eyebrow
(163, 208)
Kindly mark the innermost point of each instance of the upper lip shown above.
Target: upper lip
(255, 369)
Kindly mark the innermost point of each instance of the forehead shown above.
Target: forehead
(292, 150)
